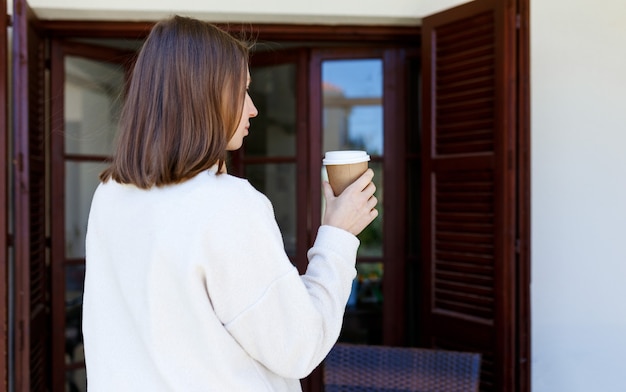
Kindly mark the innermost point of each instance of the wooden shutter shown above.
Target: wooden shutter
(31, 273)
(469, 185)
(4, 206)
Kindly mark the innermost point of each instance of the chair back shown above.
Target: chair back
(363, 368)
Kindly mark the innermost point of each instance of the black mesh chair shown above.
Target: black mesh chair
(362, 368)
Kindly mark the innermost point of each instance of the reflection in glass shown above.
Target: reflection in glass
(369, 277)
(372, 236)
(81, 180)
(278, 183)
(353, 119)
(76, 381)
(93, 98)
(74, 283)
(352, 105)
(362, 323)
(273, 131)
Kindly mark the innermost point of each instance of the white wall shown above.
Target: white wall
(578, 94)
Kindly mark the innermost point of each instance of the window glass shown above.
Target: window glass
(93, 99)
(273, 131)
(76, 380)
(363, 319)
(353, 120)
(278, 183)
(92, 103)
(352, 91)
(74, 283)
(353, 105)
(81, 180)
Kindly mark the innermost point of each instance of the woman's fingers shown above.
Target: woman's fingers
(371, 202)
(365, 180)
(353, 209)
(369, 190)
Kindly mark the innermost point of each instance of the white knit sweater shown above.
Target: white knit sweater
(188, 288)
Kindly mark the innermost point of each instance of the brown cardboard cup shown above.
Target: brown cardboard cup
(344, 167)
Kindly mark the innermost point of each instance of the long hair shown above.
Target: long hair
(182, 106)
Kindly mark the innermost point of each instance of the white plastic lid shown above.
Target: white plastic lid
(345, 157)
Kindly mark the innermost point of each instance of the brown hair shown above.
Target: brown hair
(182, 106)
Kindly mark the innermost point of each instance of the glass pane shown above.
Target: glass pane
(353, 119)
(76, 380)
(352, 101)
(278, 183)
(363, 318)
(81, 180)
(93, 98)
(273, 131)
(372, 236)
(74, 283)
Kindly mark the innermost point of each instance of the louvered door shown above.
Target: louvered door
(31, 273)
(469, 185)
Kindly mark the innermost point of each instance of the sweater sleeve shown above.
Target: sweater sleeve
(285, 321)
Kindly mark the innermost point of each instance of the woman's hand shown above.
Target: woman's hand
(354, 208)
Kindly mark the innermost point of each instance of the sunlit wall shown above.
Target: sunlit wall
(578, 87)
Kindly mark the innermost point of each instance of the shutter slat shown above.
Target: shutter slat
(471, 279)
(465, 268)
(468, 247)
(462, 286)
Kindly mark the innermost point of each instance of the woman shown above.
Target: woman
(188, 287)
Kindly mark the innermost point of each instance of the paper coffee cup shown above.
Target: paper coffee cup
(344, 167)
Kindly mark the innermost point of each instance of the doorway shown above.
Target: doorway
(401, 158)
(310, 100)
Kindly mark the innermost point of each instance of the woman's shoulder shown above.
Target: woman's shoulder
(232, 198)
(206, 189)
(232, 188)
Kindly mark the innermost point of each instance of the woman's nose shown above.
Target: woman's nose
(253, 110)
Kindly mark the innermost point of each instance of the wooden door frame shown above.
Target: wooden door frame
(4, 206)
